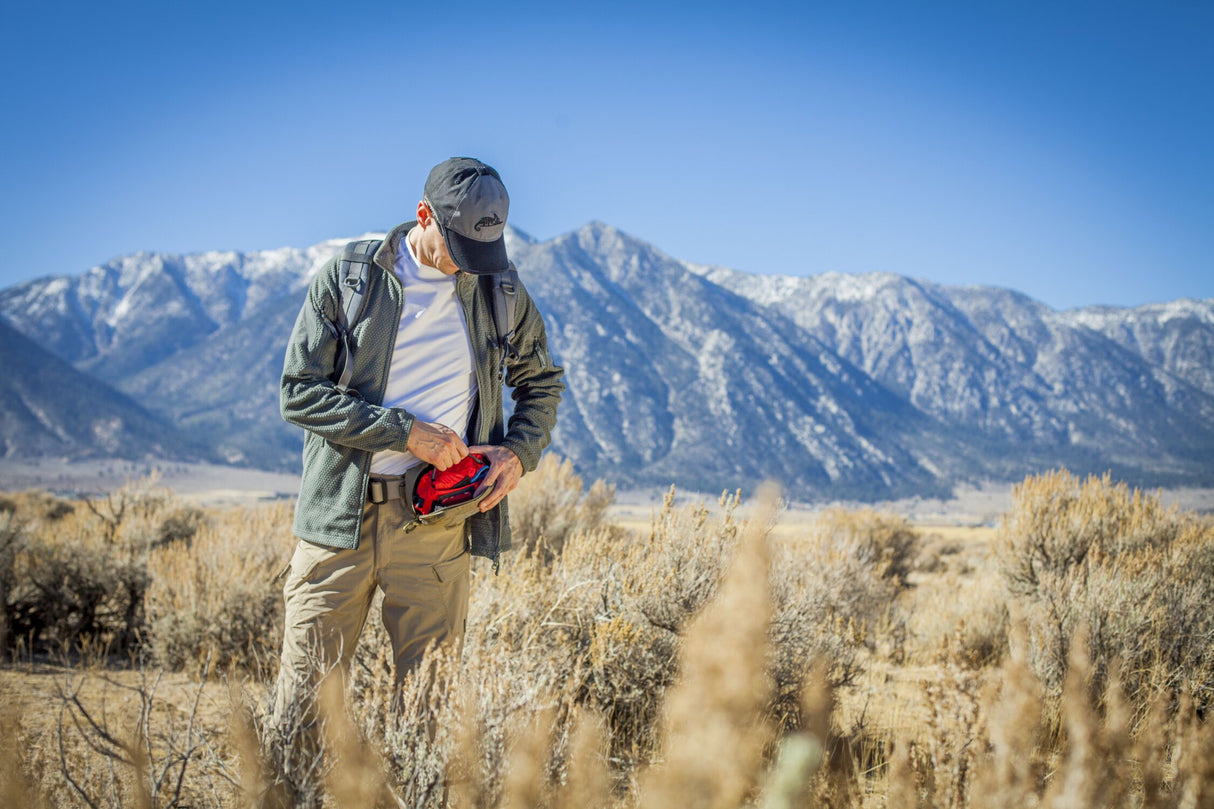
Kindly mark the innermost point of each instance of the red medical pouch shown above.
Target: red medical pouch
(456, 484)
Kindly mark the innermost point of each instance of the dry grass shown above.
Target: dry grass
(708, 662)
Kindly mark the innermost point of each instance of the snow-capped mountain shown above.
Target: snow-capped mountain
(1014, 369)
(671, 377)
(1176, 336)
(121, 317)
(711, 378)
(48, 408)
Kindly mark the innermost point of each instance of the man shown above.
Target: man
(425, 387)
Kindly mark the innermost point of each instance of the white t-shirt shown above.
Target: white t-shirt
(432, 375)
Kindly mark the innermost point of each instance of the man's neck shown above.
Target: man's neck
(413, 237)
(429, 248)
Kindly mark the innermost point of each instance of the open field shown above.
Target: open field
(973, 511)
(213, 485)
(205, 484)
(632, 654)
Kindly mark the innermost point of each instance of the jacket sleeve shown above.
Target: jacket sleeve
(537, 385)
(308, 396)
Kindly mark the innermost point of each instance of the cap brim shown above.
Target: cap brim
(477, 258)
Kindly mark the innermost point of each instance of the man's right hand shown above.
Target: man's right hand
(436, 444)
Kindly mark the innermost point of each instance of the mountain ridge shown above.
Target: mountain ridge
(678, 372)
(36, 419)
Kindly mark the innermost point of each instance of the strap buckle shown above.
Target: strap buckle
(381, 490)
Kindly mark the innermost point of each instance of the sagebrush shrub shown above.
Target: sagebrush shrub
(1118, 564)
(831, 585)
(79, 575)
(35, 506)
(140, 569)
(634, 670)
(1058, 522)
(217, 594)
(550, 504)
(12, 540)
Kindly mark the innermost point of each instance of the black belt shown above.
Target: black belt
(381, 490)
(395, 487)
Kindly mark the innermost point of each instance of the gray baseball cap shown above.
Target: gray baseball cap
(470, 205)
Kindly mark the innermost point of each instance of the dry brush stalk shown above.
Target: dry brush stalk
(16, 786)
(714, 736)
(356, 773)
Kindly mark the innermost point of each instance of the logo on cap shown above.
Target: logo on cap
(488, 222)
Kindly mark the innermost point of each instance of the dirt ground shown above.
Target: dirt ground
(47, 701)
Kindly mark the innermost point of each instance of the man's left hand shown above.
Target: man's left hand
(505, 471)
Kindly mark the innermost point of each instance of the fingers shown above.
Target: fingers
(451, 450)
(496, 496)
(495, 471)
(456, 449)
(493, 497)
(505, 471)
(436, 444)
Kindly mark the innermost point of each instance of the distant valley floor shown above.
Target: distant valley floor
(214, 485)
(207, 484)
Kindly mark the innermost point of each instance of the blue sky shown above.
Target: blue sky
(1061, 148)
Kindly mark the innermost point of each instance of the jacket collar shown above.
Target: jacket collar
(385, 259)
(385, 256)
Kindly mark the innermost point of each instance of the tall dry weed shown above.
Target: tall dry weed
(714, 732)
(358, 776)
(17, 787)
(1017, 769)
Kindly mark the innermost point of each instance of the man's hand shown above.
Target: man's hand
(438, 445)
(505, 471)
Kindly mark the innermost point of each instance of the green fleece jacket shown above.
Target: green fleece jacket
(342, 431)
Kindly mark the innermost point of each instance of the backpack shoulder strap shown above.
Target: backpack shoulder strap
(505, 299)
(355, 273)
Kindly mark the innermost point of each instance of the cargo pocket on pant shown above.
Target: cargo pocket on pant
(452, 576)
(447, 572)
(306, 558)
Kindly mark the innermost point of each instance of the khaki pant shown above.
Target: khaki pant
(424, 577)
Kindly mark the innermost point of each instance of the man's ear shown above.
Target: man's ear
(424, 216)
